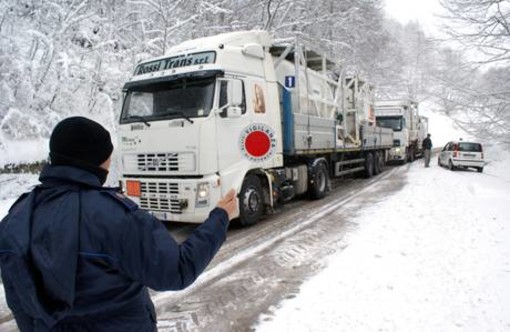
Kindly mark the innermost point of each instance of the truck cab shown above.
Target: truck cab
(195, 121)
(402, 117)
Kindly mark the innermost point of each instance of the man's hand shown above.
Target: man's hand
(229, 204)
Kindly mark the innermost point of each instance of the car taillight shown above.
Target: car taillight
(455, 151)
(133, 188)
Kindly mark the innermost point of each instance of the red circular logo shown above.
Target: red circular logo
(257, 143)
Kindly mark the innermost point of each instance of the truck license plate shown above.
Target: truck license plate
(158, 214)
(163, 215)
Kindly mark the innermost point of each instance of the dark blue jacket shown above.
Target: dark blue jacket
(427, 144)
(75, 256)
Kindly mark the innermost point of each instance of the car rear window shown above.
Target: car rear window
(472, 147)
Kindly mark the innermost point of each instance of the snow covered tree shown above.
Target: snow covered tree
(71, 57)
(478, 99)
(482, 26)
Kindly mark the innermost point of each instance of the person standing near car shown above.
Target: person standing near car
(427, 146)
(76, 256)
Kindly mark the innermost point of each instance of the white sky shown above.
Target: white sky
(422, 11)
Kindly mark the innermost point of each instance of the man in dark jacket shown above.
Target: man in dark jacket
(427, 146)
(76, 256)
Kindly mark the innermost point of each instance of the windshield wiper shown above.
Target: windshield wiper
(141, 118)
(178, 115)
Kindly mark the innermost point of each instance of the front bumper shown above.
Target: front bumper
(175, 199)
(397, 154)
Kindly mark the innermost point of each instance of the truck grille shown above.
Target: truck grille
(156, 196)
(160, 162)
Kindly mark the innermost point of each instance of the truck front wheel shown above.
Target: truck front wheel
(251, 201)
(410, 156)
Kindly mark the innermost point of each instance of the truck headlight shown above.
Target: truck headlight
(397, 150)
(203, 193)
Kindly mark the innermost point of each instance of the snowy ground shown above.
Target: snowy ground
(433, 257)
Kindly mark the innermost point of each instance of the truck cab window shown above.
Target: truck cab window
(187, 98)
(392, 122)
(223, 97)
(143, 102)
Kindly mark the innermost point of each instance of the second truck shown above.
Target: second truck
(274, 119)
(409, 128)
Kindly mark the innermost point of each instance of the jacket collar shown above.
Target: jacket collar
(68, 174)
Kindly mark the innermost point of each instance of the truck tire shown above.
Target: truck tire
(319, 184)
(251, 201)
(369, 165)
(410, 156)
(382, 161)
(377, 163)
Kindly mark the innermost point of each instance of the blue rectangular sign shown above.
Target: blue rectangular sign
(290, 81)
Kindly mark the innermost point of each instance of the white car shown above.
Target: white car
(460, 154)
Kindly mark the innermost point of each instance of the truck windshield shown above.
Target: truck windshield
(168, 100)
(393, 122)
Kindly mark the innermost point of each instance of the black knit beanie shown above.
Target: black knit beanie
(83, 143)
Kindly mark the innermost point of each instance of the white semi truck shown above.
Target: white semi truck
(401, 116)
(273, 119)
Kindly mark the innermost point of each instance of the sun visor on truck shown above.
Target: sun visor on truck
(164, 79)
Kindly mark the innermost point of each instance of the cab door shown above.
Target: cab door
(231, 119)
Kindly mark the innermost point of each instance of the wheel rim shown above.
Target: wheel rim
(251, 201)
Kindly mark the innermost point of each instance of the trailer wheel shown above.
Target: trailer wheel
(369, 165)
(251, 201)
(319, 183)
(377, 163)
(382, 161)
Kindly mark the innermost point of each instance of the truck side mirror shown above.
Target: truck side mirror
(234, 112)
(235, 93)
